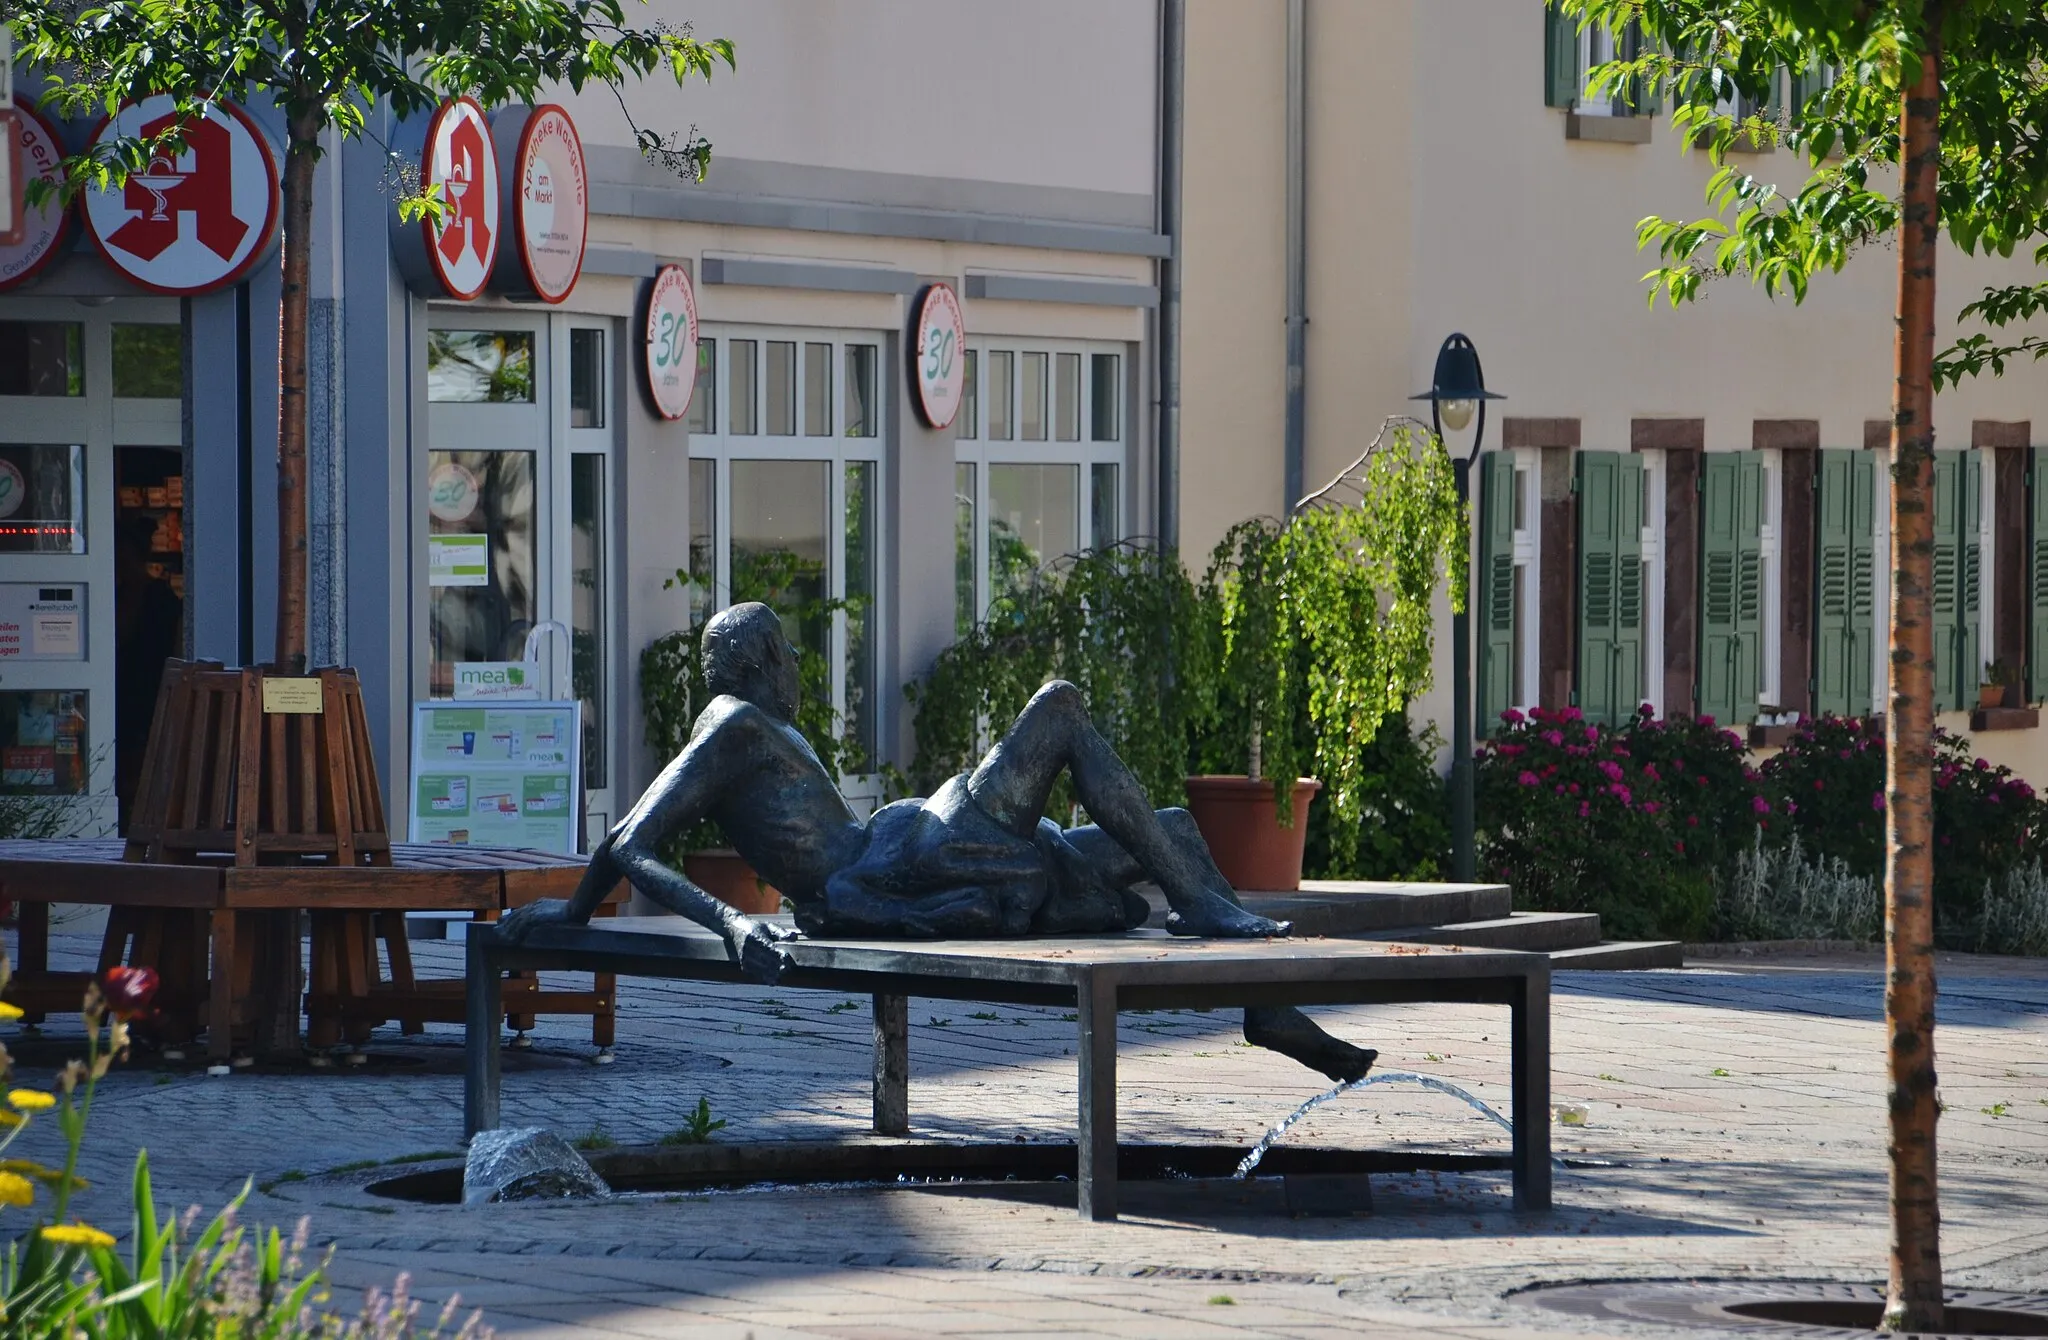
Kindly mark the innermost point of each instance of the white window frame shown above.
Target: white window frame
(1528, 550)
(715, 442)
(980, 452)
(1596, 47)
(1652, 541)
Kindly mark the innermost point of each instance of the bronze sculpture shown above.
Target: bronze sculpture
(975, 860)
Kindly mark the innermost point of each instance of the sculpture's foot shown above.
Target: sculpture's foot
(1213, 917)
(1137, 911)
(1288, 1031)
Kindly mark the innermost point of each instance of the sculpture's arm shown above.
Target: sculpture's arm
(679, 798)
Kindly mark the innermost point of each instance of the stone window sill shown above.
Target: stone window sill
(1607, 129)
(2004, 718)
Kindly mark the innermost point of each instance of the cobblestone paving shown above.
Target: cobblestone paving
(1735, 1128)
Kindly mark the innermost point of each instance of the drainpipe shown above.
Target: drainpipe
(1172, 69)
(1297, 249)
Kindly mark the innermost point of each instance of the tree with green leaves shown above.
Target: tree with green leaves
(325, 67)
(1906, 119)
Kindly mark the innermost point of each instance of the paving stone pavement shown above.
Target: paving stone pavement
(1735, 1129)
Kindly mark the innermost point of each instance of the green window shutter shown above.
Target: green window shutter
(2037, 586)
(1731, 585)
(1957, 497)
(1560, 58)
(1610, 584)
(1845, 562)
(1495, 609)
(1640, 97)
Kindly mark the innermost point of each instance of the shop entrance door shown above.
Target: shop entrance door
(92, 540)
(514, 528)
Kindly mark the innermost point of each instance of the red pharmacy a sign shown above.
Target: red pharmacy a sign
(198, 217)
(463, 244)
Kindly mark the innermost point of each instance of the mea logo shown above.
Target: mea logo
(199, 216)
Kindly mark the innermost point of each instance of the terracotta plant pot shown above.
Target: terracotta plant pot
(1241, 823)
(1990, 695)
(728, 878)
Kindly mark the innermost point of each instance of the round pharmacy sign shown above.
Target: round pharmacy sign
(550, 193)
(13, 488)
(197, 218)
(938, 364)
(452, 491)
(671, 342)
(459, 166)
(44, 227)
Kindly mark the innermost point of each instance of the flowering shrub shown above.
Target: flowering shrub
(1828, 787)
(66, 1278)
(1627, 822)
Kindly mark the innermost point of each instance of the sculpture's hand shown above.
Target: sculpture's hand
(752, 945)
(515, 924)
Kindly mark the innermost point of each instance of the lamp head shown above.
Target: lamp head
(1458, 386)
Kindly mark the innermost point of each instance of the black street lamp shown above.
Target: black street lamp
(1457, 392)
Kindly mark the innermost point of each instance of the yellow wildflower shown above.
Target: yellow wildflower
(77, 1235)
(16, 1190)
(9, 1120)
(8, 1012)
(30, 1100)
(30, 1168)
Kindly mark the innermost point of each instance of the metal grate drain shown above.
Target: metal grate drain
(1789, 1309)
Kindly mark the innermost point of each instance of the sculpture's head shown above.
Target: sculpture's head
(746, 655)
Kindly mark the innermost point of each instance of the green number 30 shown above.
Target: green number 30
(667, 354)
(938, 355)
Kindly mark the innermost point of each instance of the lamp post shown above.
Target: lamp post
(1456, 394)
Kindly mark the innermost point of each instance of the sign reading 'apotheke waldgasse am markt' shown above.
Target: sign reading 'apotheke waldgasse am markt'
(671, 342)
(460, 162)
(43, 227)
(548, 191)
(193, 220)
(938, 366)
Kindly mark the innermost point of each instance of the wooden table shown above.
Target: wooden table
(1096, 976)
(183, 920)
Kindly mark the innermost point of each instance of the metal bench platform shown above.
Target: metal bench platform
(1094, 975)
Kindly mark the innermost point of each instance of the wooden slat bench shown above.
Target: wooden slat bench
(1094, 976)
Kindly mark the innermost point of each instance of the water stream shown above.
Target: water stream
(1272, 1137)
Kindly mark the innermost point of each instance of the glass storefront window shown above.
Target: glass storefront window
(587, 592)
(967, 425)
(704, 400)
(586, 379)
(861, 703)
(1105, 516)
(43, 742)
(817, 390)
(782, 388)
(1031, 410)
(740, 407)
(1066, 398)
(42, 358)
(861, 419)
(149, 361)
(1106, 397)
(42, 499)
(1001, 374)
(703, 537)
(780, 525)
(1034, 518)
(479, 367)
(480, 559)
(964, 610)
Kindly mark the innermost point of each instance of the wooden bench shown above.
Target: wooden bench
(1094, 976)
(189, 922)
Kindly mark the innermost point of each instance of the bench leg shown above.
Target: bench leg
(892, 1065)
(220, 989)
(484, 997)
(32, 942)
(1096, 1009)
(1530, 1030)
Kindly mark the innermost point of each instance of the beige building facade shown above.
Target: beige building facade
(1453, 180)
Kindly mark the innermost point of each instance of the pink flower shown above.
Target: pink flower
(1877, 802)
(1650, 772)
(1819, 784)
(1513, 717)
(1528, 779)
(1571, 714)
(1575, 788)
(1555, 739)
(1584, 809)
(1592, 732)
(1706, 722)
(1612, 771)
(1509, 750)
(1650, 807)
(1621, 793)
(1692, 821)
(1759, 805)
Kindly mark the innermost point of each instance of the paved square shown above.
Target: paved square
(1735, 1126)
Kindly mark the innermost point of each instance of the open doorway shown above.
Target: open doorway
(149, 598)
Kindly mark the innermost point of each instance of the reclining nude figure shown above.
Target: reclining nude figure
(973, 861)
